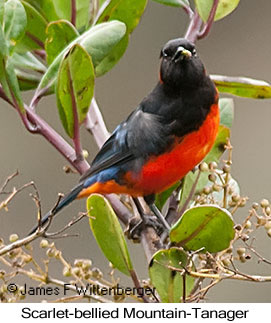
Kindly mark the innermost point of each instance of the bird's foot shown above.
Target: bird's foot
(136, 226)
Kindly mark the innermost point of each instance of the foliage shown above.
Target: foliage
(60, 48)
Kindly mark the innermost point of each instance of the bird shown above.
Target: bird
(166, 136)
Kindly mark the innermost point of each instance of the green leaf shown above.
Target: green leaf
(243, 86)
(27, 61)
(108, 233)
(15, 22)
(35, 30)
(113, 57)
(46, 8)
(98, 42)
(2, 11)
(13, 89)
(169, 282)
(59, 34)
(82, 13)
(129, 12)
(174, 3)
(3, 43)
(209, 227)
(219, 145)
(224, 8)
(226, 107)
(161, 198)
(75, 86)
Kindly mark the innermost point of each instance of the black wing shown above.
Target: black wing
(141, 135)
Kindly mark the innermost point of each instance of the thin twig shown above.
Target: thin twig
(67, 226)
(8, 179)
(137, 284)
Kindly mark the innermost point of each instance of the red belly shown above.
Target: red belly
(161, 172)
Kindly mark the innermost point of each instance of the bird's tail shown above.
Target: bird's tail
(67, 199)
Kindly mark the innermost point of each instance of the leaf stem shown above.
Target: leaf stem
(73, 12)
(206, 29)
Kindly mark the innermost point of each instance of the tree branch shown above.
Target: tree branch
(94, 123)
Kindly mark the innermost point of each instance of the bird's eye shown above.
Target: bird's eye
(163, 54)
(194, 52)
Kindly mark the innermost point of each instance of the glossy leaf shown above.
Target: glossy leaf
(27, 61)
(98, 42)
(169, 282)
(35, 30)
(59, 34)
(129, 12)
(209, 227)
(2, 11)
(242, 86)
(174, 3)
(15, 22)
(113, 57)
(82, 13)
(224, 8)
(75, 86)
(108, 233)
(226, 108)
(13, 86)
(46, 8)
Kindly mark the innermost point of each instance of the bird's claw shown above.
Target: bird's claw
(136, 226)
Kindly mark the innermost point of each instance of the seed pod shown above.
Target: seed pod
(264, 203)
(67, 272)
(206, 190)
(267, 225)
(226, 262)
(226, 168)
(212, 165)
(212, 178)
(203, 167)
(235, 198)
(255, 206)
(241, 251)
(248, 225)
(13, 237)
(242, 259)
(216, 188)
(238, 227)
(50, 252)
(44, 243)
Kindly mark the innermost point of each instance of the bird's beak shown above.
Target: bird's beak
(181, 53)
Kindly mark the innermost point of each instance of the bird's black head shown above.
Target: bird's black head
(180, 65)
